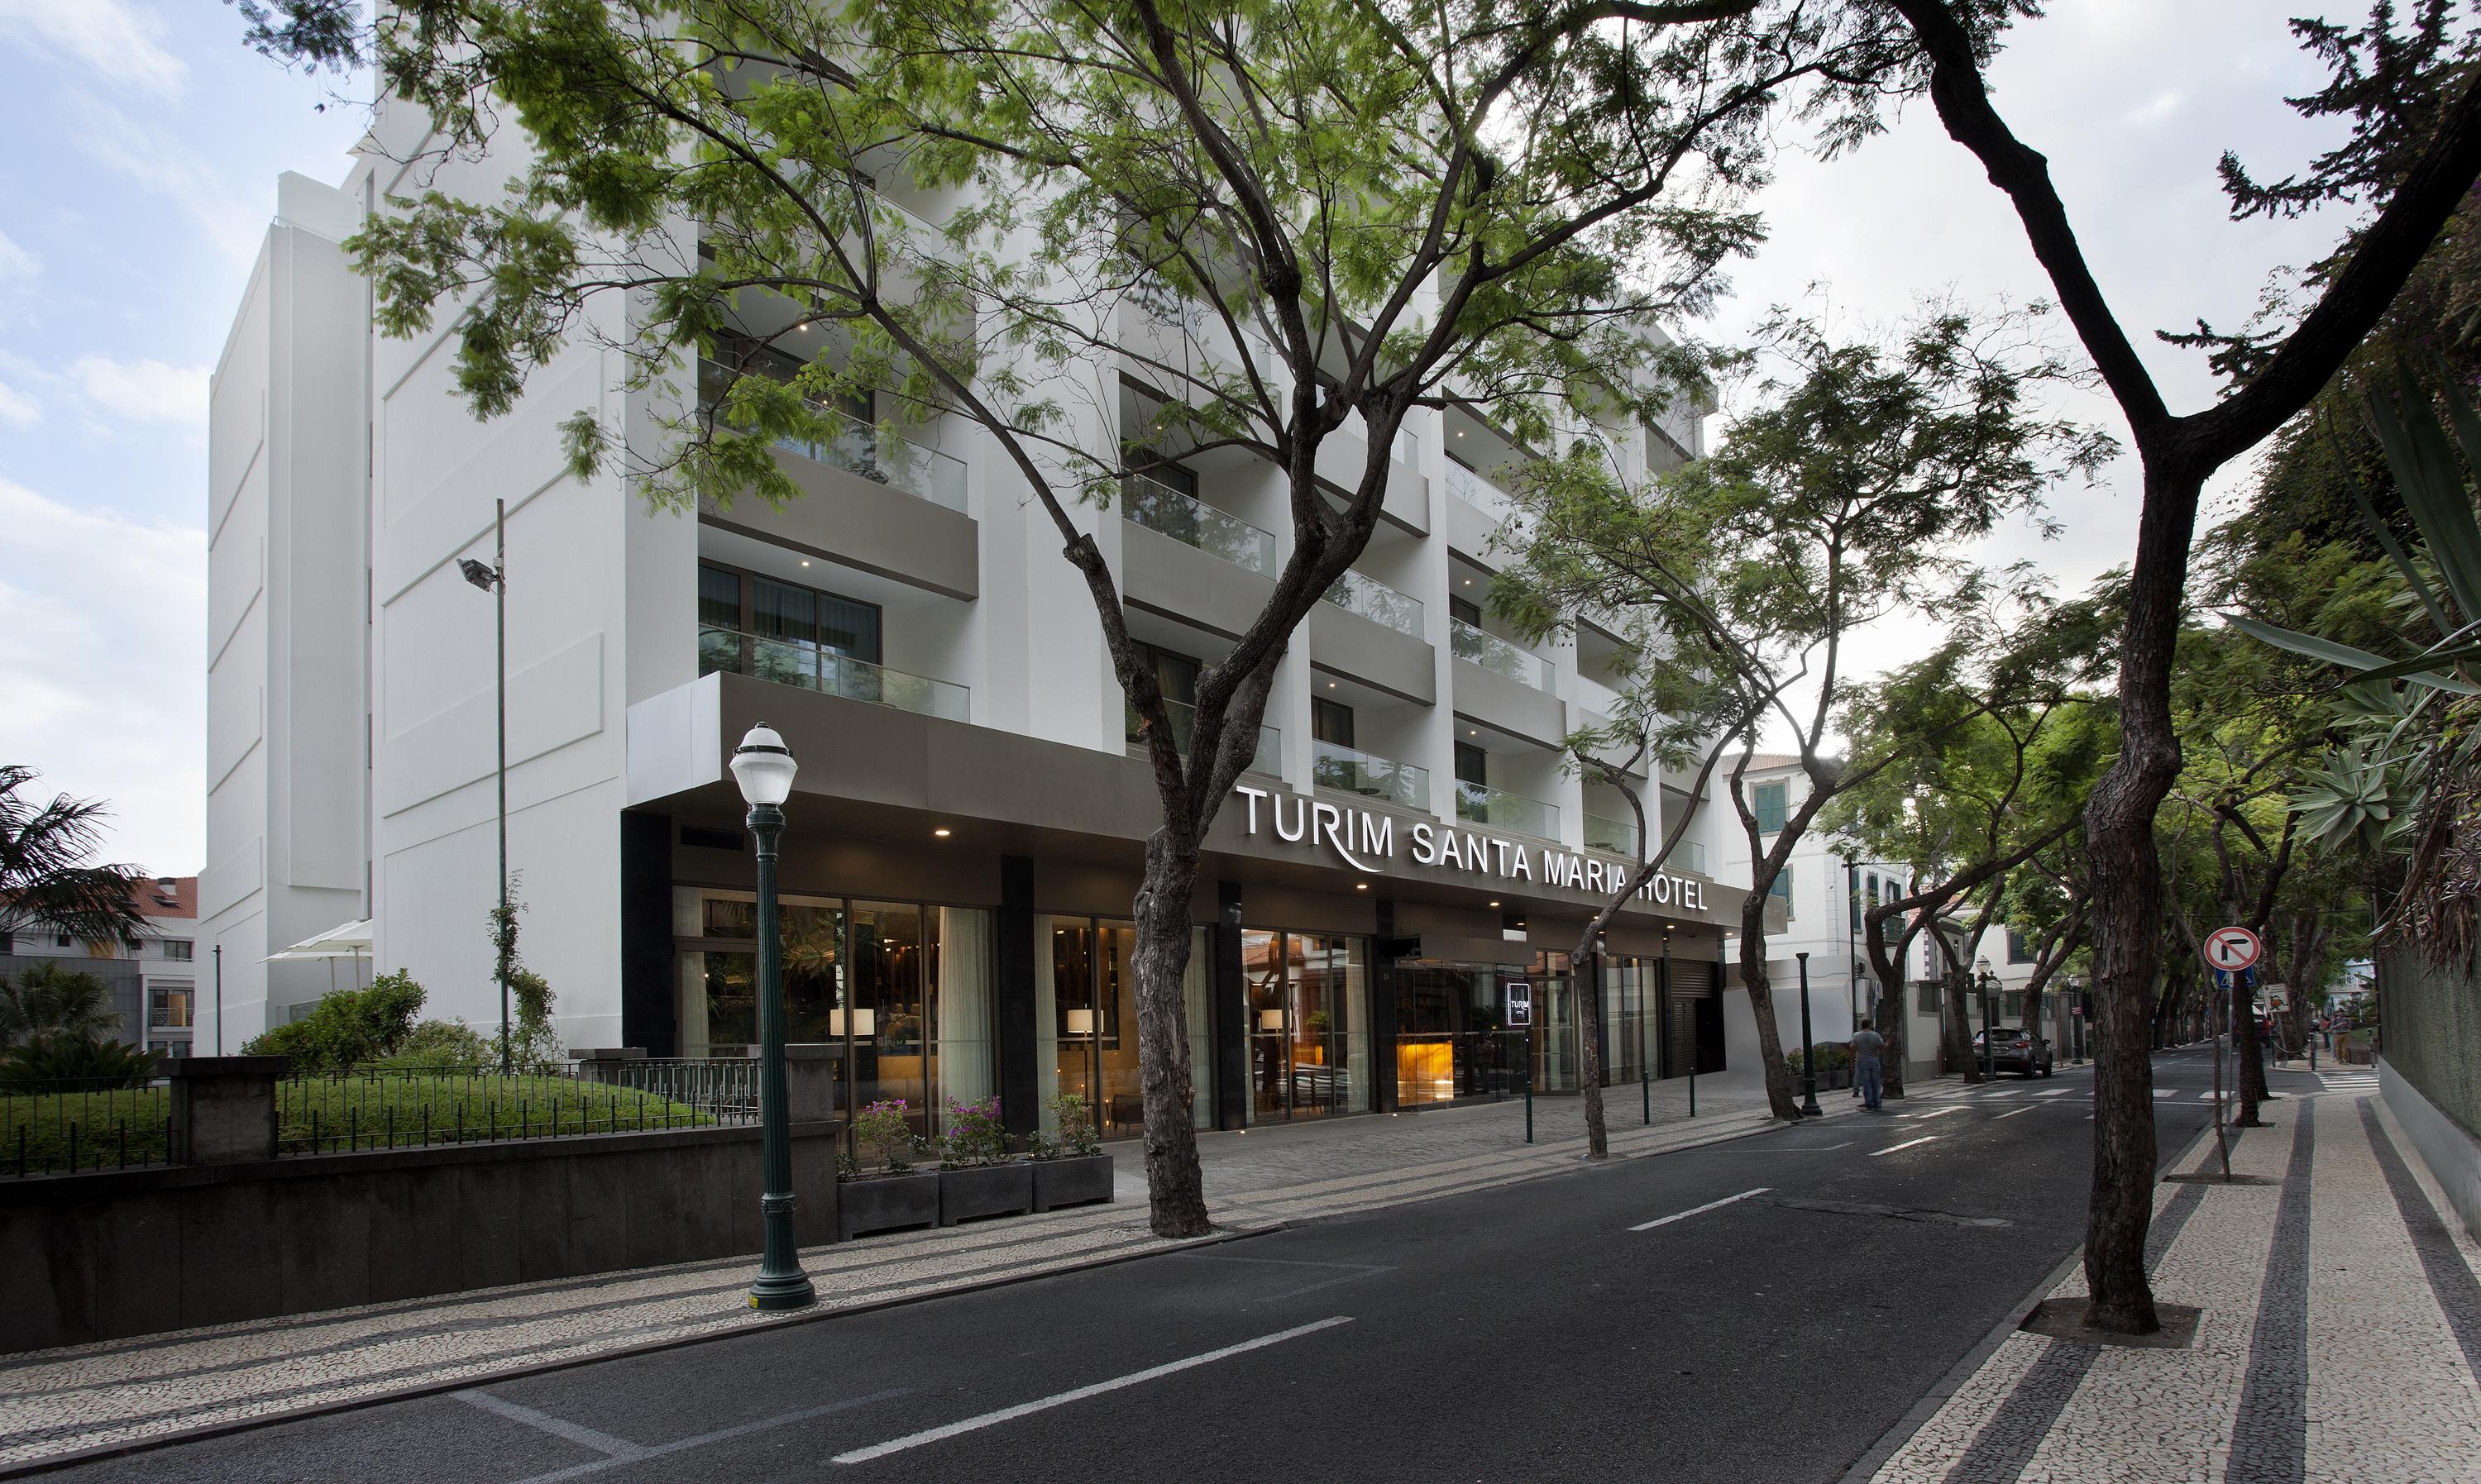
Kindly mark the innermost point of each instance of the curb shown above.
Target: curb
(1892, 1439)
(239, 1425)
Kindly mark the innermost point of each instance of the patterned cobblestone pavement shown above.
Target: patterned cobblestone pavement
(82, 1397)
(2339, 1333)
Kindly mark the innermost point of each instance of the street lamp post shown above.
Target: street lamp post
(494, 580)
(1809, 1107)
(764, 768)
(2076, 1020)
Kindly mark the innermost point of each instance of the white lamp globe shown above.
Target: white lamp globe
(763, 766)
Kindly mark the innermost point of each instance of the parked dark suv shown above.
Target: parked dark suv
(2015, 1053)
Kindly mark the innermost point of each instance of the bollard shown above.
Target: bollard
(1645, 1085)
(1528, 1086)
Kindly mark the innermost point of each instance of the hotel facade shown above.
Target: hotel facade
(967, 826)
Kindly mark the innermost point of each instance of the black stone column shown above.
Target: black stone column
(1020, 1077)
(648, 1016)
(1382, 1010)
(1228, 1011)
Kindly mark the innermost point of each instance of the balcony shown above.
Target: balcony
(815, 667)
(1347, 771)
(1606, 833)
(1183, 722)
(1377, 602)
(1161, 508)
(1497, 655)
(1596, 697)
(878, 455)
(1481, 804)
(1689, 856)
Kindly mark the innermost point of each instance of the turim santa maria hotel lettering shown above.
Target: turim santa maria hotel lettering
(1363, 841)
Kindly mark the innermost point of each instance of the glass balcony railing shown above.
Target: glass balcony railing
(1475, 491)
(788, 662)
(1377, 602)
(1183, 722)
(1497, 655)
(1193, 522)
(1342, 768)
(878, 455)
(1603, 832)
(1481, 804)
(1689, 856)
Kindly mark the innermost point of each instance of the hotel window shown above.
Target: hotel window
(2019, 952)
(1465, 609)
(1926, 997)
(1781, 889)
(806, 617)
(178, 949)
(1473, 764)
(1766, 802)
(1086, 1022)
(1331, 721)
(168, 1005)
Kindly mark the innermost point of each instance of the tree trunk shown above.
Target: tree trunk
(1585, 977)
(2246, 1049)
(1761, 1005)
(1891, 1025)
(2127, 913)
(1955, 1031)
(1175, 1183)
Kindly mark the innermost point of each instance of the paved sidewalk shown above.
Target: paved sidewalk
(84, 1397)
(2339, 1337)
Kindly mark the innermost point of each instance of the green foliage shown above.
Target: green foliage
(975, 1134)
(1078, 1135)
(63, 1057)
(49, 998)
(348, 1027)
(44, 871)
(441, 1045)
(884, 1131)
(533, 1036)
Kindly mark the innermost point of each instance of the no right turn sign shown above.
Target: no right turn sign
(2230, 948)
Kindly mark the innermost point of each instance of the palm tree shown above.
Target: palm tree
(47, 1000)
(43, 872)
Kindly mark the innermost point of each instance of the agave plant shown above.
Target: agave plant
(2407, 782)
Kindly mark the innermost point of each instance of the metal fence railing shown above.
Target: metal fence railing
(400, 1107)
(61, 1127)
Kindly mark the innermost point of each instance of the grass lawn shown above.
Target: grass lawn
(42, 1133)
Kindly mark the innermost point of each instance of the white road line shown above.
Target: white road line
(1907, 1144)
(2166, 1092)
(1080, 1394)
(1699, 1211)
(1937, 1112)
(2027, 1108)
(2055, 1092)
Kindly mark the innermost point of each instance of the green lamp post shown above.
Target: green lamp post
(764, 768)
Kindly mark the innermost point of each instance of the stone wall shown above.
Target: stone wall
(2430, 1032)
(113, 1254)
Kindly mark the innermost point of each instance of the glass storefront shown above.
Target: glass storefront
(1086, 1021)
(1451, 1043)
(899, 991)
(1305, 1001)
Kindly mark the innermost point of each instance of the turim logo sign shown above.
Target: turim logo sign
(1366, 840)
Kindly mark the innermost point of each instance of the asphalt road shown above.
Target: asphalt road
(1524, 1334)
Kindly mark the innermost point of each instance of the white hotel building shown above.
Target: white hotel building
(965, 834)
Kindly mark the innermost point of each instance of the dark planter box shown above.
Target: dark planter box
(1837, 1079)
(1071, 1182)
(887, 1201)
(985, 1190)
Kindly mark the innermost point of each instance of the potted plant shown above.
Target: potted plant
(892, 1193)
(1072, 1169)
(978, 1176)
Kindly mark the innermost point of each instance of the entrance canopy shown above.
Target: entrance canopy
(346, 940)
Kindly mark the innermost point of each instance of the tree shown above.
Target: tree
(1345, 211)
(1997, 737)
(348, 1027)
(1838, 500)
(2413, 165)
(44, 999)
(43, 873)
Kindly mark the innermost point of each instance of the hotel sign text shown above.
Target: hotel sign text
(1362, 840)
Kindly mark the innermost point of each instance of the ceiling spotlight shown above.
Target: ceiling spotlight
(1361, 886)
(942, 832)
(1494, 904)
(805, 562)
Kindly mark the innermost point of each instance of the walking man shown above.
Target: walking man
(1866, 1044)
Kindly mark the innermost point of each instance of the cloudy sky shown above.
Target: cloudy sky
(127, 232)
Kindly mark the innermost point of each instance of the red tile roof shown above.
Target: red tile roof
(166, 897)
